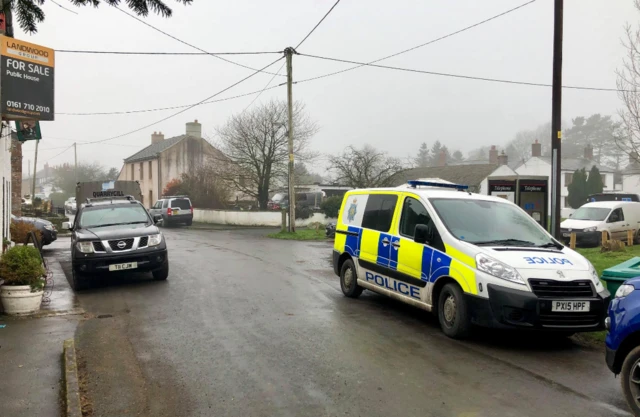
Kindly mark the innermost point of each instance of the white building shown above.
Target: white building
(631, 175)
(539, 165)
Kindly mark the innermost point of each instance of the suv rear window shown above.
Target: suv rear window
(182, 204)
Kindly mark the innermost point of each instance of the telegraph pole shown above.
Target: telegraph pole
(292, 194)
(556, 116)
(35, 170)
(75, 154)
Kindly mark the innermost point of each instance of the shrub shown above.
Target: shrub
(331, 206)
(21, 265)
(303, 213)
(20, 232)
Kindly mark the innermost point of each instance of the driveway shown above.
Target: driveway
(249, 326)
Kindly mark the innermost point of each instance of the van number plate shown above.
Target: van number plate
(122, 267)
(570, 306)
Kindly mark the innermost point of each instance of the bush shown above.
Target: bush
(21, 265)
(20, 232)
(303, 213)
(331, 206)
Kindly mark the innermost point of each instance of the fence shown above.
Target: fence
(251, 218)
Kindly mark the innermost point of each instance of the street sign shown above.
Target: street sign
(26, 80)
(28, 130)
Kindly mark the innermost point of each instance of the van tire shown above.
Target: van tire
(630, 389)
(453, 313)
(349, 280)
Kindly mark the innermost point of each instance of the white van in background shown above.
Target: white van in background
(591, 219)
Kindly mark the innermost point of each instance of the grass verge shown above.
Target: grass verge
(300, 234)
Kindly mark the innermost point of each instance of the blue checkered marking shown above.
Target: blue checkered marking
(440, 264)
(383, 250)
(393, 253)
(427, 254)
(352, 245)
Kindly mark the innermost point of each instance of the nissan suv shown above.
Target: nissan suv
(115, 235)
(173, 210)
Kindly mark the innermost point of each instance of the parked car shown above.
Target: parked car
(48, 229)
(280, 201)
(591, 219)
(115, 234)
(174, 210)
(70, 206)
(623, 340)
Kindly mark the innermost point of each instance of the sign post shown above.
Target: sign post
(26, 74)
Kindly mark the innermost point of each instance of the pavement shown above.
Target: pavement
(249, 326)
(31, 350)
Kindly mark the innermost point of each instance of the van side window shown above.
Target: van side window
(616, 216)
(379, 212)
(413, 214)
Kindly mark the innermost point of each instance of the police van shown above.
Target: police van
(470, 259)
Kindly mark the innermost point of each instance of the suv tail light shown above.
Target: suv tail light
(169, 212)
(191, 209)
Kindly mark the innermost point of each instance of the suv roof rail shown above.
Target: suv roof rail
(416, 183)
(175, 196)
(110, 198)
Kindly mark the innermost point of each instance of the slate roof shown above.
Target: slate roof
(471, 175)
(574, 164)
(151, 151)
(632, 169)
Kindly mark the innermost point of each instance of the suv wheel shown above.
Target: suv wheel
(163, 273)
(630, 380)
(79, 280)
(189, 223)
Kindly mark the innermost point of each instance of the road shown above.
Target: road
(249, 326)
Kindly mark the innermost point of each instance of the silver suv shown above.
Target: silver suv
(173, 209)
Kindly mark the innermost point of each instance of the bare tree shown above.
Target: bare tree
(363, 168)
(628, 82)
(255, 147)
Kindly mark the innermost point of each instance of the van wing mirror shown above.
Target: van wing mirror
(422, 234)
(66, 226)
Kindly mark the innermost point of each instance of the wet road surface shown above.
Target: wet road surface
(249, 326)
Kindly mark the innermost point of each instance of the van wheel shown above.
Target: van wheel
(630, 380)
(452, 312)
(349, 280)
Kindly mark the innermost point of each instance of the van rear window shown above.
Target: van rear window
(379, 212)
(182, 204)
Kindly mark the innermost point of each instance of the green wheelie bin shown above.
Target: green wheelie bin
(617, 275)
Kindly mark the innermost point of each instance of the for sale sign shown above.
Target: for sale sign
(26, 80)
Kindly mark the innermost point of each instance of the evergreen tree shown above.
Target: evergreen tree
(436, 149)
(594, 183)
(578, 192)
(422, 160)
(457, 158)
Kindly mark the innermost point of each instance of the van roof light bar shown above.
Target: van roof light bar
(415, 184)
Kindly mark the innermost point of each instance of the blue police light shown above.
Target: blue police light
(414, 184)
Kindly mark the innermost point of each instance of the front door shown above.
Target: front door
(616, 224)
(376, 242)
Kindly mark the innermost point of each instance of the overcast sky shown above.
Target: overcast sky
(394, 111)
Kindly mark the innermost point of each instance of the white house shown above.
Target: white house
(539, 165)
(631, 175)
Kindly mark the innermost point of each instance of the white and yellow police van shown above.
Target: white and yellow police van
(471, 259)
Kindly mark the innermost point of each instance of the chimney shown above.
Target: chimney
(503, 158)
(442, 159)
(633, 158)
(588, 152)
(493, 155)
(194, 129)
(157, 137)
(536, 149)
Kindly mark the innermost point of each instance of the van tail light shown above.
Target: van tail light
(169, 212)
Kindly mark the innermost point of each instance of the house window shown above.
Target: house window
(150, 196)
(568, 178)
(141, 170)
(150, 169)
(133, 172)
(604, 180)
(142, 198)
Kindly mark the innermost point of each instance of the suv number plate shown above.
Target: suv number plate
(122, 267)
(570, 306)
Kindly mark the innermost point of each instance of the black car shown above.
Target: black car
(48, 229)
(116, 235)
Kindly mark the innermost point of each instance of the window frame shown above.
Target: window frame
(402, 216)
(383, 197)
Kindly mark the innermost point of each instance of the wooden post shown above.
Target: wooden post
(284, 221)
(629, 237)
(572, 240)
(604, 237)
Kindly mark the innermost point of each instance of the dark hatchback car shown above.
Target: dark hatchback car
(116, 235)
(48, 229)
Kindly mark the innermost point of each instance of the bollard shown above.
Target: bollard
(629, 237)
(572, 240)
(604, 237)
